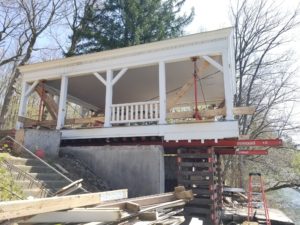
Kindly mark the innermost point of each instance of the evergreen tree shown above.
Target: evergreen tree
(121, 23)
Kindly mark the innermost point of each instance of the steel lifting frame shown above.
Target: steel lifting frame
(225, 143)
(222, 146)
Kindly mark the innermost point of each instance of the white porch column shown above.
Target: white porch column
(162, 93)
(23, 103)
(108, 97)
(62, 102)
(228, 89)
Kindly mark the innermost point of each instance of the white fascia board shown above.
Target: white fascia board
(212, 130)
(130, 61)
(207, 43)
(133, 50)
(196, 131)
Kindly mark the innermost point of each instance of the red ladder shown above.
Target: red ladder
(258, 198)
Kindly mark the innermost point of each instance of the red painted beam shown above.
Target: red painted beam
(197, 143)
(241, 152)
(225, 143)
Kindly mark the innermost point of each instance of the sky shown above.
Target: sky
(214, 14)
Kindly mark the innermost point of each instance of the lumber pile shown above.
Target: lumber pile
(99, 208)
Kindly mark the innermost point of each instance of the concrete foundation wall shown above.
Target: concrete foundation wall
(48, 140)
(138, 168)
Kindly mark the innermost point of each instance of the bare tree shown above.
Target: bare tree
(263, 64)
(36, 18)
(11, 33)
(264, 68)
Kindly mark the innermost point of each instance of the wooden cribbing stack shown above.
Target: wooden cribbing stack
(197, 171)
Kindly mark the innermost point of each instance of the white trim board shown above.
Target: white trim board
(206, 43)
(170, 132)
(138, 49)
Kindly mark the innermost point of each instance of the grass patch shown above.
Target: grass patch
(9, 189)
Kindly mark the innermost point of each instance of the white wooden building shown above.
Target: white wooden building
(144, 90)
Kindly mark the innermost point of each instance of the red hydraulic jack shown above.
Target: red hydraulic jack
(257, 197)
(196, 114)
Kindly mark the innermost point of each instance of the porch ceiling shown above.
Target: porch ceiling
(141, 84)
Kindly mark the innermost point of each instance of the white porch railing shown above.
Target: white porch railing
(135, 112)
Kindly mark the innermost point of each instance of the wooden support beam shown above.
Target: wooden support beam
(160, 200)
(213, 62)
(50, 103)
(132, 207)
(76, 216)
(79, 215)
(21, 208)
(119, 75)
(50, 123)
(142, 201)
(85, 120)
(148, 216)
(187, 86)
(209, 113)
(246, 110)
(99, 77)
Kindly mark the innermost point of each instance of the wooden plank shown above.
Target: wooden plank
(85, 120)
(142, 201)
(209, 113)
(187, 195)
(76, 216)
(148, 216)
(48, 123)
(21, 208)
(132, 207)
(250, 110)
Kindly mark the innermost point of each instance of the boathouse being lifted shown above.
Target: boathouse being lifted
(176, 89)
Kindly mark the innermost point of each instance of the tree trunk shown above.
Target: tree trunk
(7, 98)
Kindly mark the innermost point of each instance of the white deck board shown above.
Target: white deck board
(170, 132)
